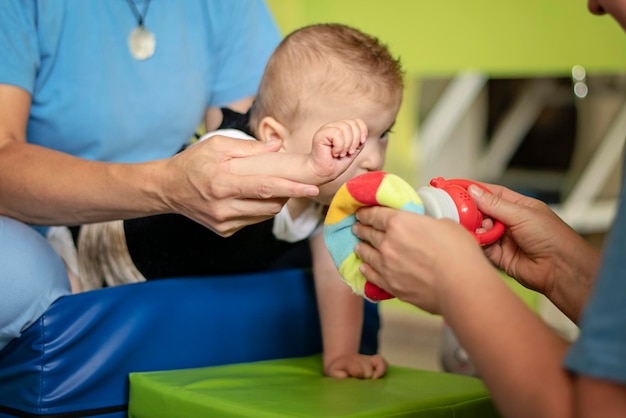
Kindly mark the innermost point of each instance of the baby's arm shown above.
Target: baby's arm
(341, 317)
(335, 146)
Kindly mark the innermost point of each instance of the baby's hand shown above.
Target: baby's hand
(356, 365)
(335, 146)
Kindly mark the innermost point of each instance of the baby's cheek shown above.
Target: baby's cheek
(328, 190)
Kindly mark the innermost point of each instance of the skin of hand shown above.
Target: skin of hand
(208, 189)
(538, 249)
(344, 139)
(335, 146)
(297, 136)
(47, 187)
(436, 265)
(356, 365)
(330, 153)
(518, 355)
(406, 266)
(341, 317)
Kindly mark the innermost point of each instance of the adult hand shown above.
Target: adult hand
(415, 257)
(538, 249)
(198, 183)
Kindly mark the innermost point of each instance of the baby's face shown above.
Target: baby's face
(379, 118)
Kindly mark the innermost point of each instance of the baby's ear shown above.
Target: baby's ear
(271, 130)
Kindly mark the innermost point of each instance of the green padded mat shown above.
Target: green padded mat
(296, 388)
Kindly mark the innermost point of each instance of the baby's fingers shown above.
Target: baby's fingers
(379, 366)
(348, 141)
(346, 136)
(357, 366)
(359, 134)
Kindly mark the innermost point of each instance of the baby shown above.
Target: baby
(330, 94)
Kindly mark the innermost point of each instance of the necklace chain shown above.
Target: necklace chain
(141, 17)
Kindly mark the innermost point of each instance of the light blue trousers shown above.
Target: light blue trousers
(32, 276)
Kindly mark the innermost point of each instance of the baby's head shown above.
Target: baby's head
(324, 73)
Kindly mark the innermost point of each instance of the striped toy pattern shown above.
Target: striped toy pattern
(376, 188)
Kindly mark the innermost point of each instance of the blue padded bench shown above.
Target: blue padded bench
(75, 360)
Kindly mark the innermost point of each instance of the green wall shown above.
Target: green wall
(504, 38)
(508, 37)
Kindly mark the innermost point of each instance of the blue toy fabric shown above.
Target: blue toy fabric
(75, 360)
(375, 188)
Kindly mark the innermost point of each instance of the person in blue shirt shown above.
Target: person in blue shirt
(529, 369)
(95, 98)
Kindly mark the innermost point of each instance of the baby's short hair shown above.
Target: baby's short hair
(324, 59)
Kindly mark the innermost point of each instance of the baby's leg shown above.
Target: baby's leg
(32, 276)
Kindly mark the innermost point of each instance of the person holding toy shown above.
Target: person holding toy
(529, 369)
(330, 95)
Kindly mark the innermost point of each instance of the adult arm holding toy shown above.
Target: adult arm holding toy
(539, 250)
(445, 272)
(518, 355)
(529, 369)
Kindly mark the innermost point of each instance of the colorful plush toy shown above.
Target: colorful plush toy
(375, 188)
(441, 199)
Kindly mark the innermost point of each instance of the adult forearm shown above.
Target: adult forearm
(46, 187)
(517, 355)
(578, 269)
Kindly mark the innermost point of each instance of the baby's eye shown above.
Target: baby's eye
(385, 135)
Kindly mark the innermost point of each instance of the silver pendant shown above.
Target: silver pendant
(141, 43)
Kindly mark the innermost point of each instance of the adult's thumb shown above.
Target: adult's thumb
(494, 206)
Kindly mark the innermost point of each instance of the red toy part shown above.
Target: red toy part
(363, 188)
(469, 215)
(375, 293)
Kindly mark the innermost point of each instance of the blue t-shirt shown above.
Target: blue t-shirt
(92, 99)
(600, 351)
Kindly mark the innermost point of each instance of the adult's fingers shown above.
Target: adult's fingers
(267, 187)
(368, 233)
(496, 207)
(237, 148)
(253, 187)
(226, 228)
(375, 216)
(372, 262)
